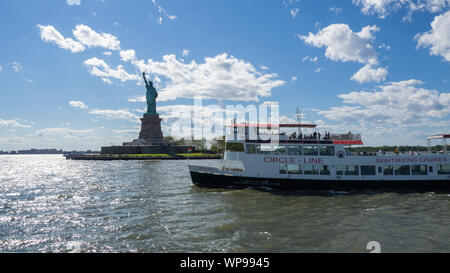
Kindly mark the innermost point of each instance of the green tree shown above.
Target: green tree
(218, 145)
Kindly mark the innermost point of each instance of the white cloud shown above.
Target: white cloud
(66, 133)
(396, 104)
(78, 104)
(369, 74)
(90, 38)
(73, 2)
(162, 11)
(50, 35)
(438, 38)
(127, 55)
(107, 81)
(336, 10)
(384, 7)
(185, 52)
(317, 70)
(100, 68)
(29, 81)
(342, 44)
(12, 123)
(115, 114)
(221, 77)
(1, 68)
(311, 59)
(107, 53)
(17, 67)
(263, 67)
(294, 12)
(293, 79)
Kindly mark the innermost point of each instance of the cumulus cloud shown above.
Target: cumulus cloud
(50, 35)
(127, 55)
(369, 74)
(85, 37)
(342, 44)
(90, 38)
(100, 68)
(396, 104)
(185, 52)
(220, 77)
(78, 104)
(438, 38)
(384, 7)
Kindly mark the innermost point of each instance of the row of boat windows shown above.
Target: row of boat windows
(363, 170)
(271, 149)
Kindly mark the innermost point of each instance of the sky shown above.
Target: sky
(70, 70)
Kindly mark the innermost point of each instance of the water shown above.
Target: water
(49, 204)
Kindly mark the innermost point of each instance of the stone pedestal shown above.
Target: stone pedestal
(150, 141)
(151, 127)
(151, 133)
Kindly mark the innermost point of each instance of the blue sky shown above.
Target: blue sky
(69, 69)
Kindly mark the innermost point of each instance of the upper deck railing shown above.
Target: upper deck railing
(349, 136)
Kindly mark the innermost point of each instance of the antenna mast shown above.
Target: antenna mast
(299, 119)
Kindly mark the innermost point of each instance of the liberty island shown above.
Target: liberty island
(151, 143)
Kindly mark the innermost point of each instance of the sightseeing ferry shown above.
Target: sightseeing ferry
(269, 156)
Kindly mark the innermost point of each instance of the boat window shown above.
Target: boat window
(252, 148)
(279, 150)
(444, 169)
(340, 169)
(324, 170)
(388, 170)
(402, 170)
(234, 147)
(367, 170)
(266, 149)
(419, 169)
(294, 150)
(310, 169)
(283, 168)
(326, 150)
(380, 169)
(430, 169)
(352, 170)
(294, 169)
(310, 150)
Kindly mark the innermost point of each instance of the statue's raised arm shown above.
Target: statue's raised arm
(145, 80)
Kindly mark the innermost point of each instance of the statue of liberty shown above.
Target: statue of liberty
(151, 95)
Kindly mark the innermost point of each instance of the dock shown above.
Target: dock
(109, 157)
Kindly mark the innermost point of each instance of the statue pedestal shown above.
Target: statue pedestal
(151, 127)
(150, 140)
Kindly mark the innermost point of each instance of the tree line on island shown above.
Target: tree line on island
(217, 145)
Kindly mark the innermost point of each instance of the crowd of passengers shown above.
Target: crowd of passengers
(315, 135)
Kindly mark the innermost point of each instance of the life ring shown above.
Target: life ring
(340, 154)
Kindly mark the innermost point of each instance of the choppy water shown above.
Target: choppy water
(48, 204)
